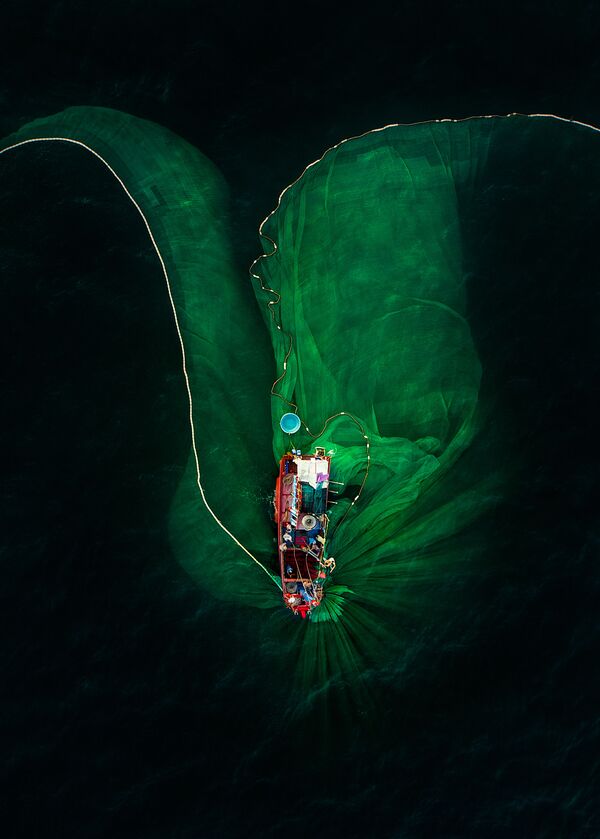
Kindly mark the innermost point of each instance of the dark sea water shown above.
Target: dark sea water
(132, 704)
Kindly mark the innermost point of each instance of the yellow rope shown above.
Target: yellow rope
(272, 303)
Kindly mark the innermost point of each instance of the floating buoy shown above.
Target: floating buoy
(290, 423)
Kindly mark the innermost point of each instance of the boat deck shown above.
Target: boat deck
(301, 499)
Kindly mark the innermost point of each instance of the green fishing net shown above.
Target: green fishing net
(370, 268)
(363, 322)
(228, 363)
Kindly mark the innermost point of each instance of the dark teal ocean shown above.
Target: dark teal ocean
(131, 703)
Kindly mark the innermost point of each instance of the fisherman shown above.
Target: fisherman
(304, 594)
(313, 533)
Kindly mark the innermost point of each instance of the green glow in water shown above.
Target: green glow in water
(371, 269)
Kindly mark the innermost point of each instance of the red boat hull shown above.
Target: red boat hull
(301, 499)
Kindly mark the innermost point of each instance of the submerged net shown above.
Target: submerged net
(372, 259)
(364, 294)
(228, 365)
(369, 328)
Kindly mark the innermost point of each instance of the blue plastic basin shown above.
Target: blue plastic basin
(290, 423)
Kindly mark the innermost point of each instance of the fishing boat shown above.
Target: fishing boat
(301, 499)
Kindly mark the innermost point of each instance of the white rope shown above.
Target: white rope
(256, 261)
(183, 355)
(271, 304)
